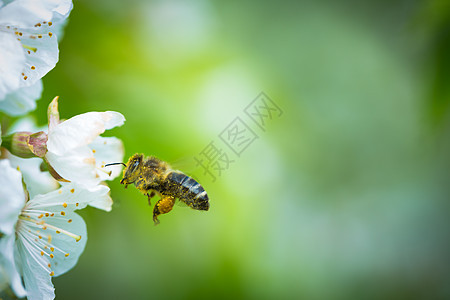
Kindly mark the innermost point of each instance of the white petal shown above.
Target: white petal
(12, 196)
(4, 281)
(12, 60)
(8, 262)
(104, 203)
(77, 165)
(27, 123)
(59, 19)
(81, 130)
(22, 101)
(37, 280)
(107, 150)
(66, 198)
(61, 252)
(113, 119)
(39, 62)
(37, 182)
(27, 13)
(63, 9)
(62, 263)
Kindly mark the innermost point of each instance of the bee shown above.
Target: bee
(152, 176)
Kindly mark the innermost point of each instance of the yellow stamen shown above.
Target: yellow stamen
(75, 236)
(29, 48)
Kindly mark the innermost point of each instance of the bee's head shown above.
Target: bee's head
(132, 170)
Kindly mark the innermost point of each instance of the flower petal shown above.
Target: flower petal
(27, 13)
(68, 198)
(107, 150)
(72, 249)
(77, 165)
(27, 123)
(104, 203)
(60, 15)
(22, 101)
(12, 59)
(37, 280)
(42, 59)
(37, 182)
(8, 262)
(12, 196)
(63, 9)
(81, 130)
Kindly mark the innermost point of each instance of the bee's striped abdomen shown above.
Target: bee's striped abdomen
(187, 190)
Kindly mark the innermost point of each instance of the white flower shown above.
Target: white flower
(28, 49)
(43, 236)
(78, 153)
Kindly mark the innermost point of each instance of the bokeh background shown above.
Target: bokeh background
(345, 196)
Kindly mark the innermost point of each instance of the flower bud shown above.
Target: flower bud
(25, 144)
(37, 142)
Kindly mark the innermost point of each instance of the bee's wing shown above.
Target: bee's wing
(180, 203)
(189, 166)
(186, 164)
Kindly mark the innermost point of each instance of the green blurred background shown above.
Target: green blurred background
(345, 196)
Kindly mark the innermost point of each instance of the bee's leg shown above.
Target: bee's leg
(150, 196)
(163, 206)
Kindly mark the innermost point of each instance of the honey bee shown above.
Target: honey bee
(151, 176)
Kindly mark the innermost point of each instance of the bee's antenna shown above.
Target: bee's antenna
(118, 163)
